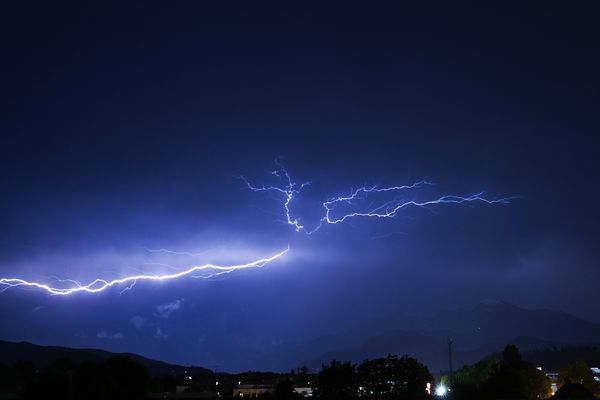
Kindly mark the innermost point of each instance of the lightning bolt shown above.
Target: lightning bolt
(288, 191)
(387, 209)
(184, 253)
(99, 285)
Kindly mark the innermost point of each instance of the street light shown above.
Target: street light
(441, 390)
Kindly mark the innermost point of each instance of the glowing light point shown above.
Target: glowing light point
(441, 390)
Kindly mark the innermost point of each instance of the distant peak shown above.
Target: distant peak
(493, 302)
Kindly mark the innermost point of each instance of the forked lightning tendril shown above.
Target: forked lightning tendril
(98, 285)
(335, 211)
(388, 209)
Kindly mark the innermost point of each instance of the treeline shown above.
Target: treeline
(555, 358)
(118, 377)
(511, 376)
(579, 372)
(507, 378)
(389, 378)
(384, 378)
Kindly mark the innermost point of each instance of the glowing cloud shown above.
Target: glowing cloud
(289, 191)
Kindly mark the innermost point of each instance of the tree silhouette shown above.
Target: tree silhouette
(55, 381)
(508, 378)
(124, 379)
(514, 378)
(395, 377)
(118, 378)
(284, 389)
(336, 381)
(15, 378)
(579, 372)
(87, 381)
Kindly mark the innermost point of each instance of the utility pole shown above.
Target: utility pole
(450, 340)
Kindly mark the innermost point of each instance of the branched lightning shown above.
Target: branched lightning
(335, 210)
(388, 209)
(98, 285)
(183, 253)
(288, 191)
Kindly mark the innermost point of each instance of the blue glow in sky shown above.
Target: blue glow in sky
(125, 131)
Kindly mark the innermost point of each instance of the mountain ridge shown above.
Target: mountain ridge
(477, 332)
(12, 352)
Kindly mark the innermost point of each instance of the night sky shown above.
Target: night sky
(125, 129)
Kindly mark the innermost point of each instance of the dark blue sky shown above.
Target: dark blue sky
(125, 127)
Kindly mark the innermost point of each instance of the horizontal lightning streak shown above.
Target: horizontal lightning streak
(288, 192)
(391, 212)
(183, 253)
(98, 285)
